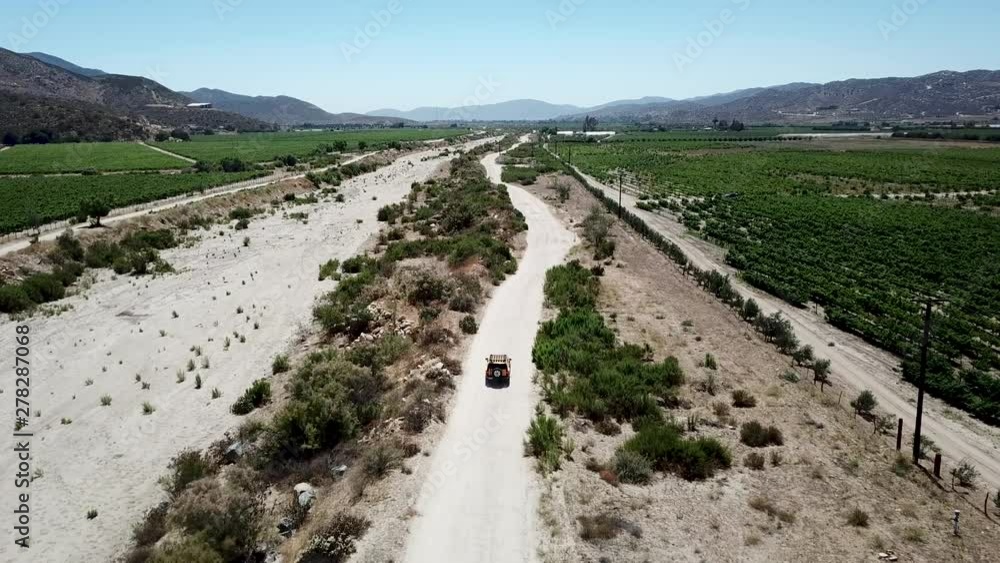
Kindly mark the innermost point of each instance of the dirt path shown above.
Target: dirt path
(480, 500)
(857, 363)
(168, 153)
(109, 458)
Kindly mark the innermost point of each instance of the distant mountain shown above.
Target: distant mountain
(640, 101)
(514, 110)
(283, 110)
(41, 96)
(64, 64)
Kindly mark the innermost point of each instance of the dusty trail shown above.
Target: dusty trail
(109, 458)
(856, 362)
(480, 500)
(168, 153)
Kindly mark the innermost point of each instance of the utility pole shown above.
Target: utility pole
(920, 381)
(620, 174)
(570, 154)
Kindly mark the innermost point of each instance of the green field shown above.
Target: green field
(80, 157)
(699, 134)
(262, 147)
(865, 261)
(53, 198)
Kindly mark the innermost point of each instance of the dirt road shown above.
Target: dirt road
(168, 153)
(480, 500)
(854, 361)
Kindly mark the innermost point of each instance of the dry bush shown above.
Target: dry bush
(605, 527)
(756, 435)
(152, 527)
(335, 542)
(754, 461)
(743, 399)
(764, 504)
(857, 518)
(228, 517)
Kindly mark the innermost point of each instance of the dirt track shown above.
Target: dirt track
(854, 362)
(480, 500)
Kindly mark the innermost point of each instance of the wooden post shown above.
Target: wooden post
(937, 465)
(986, 502)
(899, 435)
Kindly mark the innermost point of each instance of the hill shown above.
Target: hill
(43, 97)
(66, 65)
(282, 110)
(514, 110)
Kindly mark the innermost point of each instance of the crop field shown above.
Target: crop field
(261, 147)
(669, 168)
(80, 157)
(698, 134)
(866, 261)
(53, 198)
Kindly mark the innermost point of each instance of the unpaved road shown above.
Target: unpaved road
(109, 458)
(479, 503)
(856, 362)
(168, 153)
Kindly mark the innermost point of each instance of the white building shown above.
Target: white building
(200, 105)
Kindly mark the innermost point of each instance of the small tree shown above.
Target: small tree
(597, 232)
(804, 355)
(865, 403)
(362, 145)
(340, 145)
(93, 209)
(750, 310)
(821, 373)
(180, 134)
(10, 139)
(966, 475)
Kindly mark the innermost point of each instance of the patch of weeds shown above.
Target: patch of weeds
(756, 435)
(765, 505)
(743, 399)
(256, 396)
(857, 518)
(754, 461)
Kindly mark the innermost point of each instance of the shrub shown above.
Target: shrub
(280, 364)
(91, 514)
(148, 408)
(152, 527)
(857, 518)
(43, 288)
(632, 467)
(105, 400)
(571, 286)
(605, 527)
(186, 468)
(335, 542)
(597, 232)
(764, 504)
(545, 442)
(756, 435)
(743, 399)
(965, 474)
(228, 517)
(776, 458)
(13, 299)
(754, 460)
(865, 403)
(468, 325)
(329, 269)
(189, 550)
(256, 396)
(380, 459)
(427, 288)
(710, 362)
(669, 451)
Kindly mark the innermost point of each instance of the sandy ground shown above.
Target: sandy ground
(109, 458)
(854, 362)
(479, 501)
(831, 462)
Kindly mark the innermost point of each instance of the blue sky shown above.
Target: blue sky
(360, 55)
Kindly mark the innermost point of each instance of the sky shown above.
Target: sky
(361, 55)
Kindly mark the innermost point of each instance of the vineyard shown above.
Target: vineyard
(82, 157)
(24, 201)
(260, 147)
(866, 262)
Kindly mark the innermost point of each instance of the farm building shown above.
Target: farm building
(200, 105)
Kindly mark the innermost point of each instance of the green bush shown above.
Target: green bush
(13, 299)
(280, 364)
(188, 550)
(571, 286)
(632, 467)
(186, 468)
(756, 435)
(743, 399)
(468, 325)
(664, 445)
(43, 288)
(256, 396)
(545, 442)
(102, 254)
(329, 270)
(152, 527)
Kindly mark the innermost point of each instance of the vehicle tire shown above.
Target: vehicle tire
(497, 373)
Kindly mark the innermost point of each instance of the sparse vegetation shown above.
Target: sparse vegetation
(756, 435)
(545, 442)
(256, 396)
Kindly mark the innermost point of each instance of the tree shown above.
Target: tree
(750, 310)
(180, 134)
(232, 164)
(340, 145)
(362, 145)
(821, 373)
(10, 139)
(162, 136)
(865, 403)
(93, 209)
(597, 231)
(589, 123)
(202, 166)
(804, 355)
